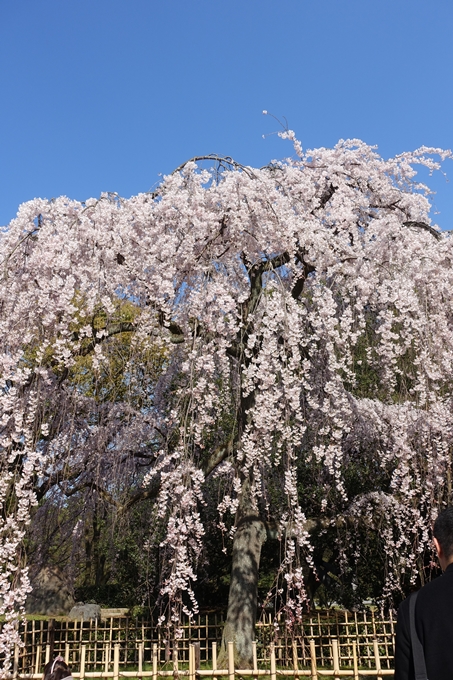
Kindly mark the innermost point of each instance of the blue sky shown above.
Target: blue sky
(103, 95)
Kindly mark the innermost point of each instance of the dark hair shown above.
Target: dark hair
(443, 531)
(56, 669)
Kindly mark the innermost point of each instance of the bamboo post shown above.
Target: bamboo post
(140, 658)
(314, 670)
(377, 658)
(191, 662)
(355, 664)
(51, 635)
(95, 655)
(143, 637)
(273, 663)
(33, 636)
(231, 661)
(254, 656)
(392, 625)
(387, 624)
(175, 658)
(38, 659)
(83, 650)
(196, 649)
(346, 630)
(16, 661)
(295, 660)
(214, 656)
(336, 660)
(367, 641)
(107, 657)
(154, 661)
(116, 662)
(66, 653)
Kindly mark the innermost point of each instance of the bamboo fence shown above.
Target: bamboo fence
(175, 669)
(333, 644)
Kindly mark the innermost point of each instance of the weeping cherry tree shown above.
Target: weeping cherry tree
(302, 315)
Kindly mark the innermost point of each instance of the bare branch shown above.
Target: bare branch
(423, 225)
(255, 273)
(219, 454)
(299, 285)
(124, 327)
(142, 494)
(327, 195)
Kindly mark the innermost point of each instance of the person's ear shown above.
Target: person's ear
(438, 547)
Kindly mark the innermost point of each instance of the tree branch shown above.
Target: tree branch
(219, 454)
(141, 495)
(123, 327)
(299, 285)
(255, 273)
(94, 486)
(177, 334)
(423, 225)
(327, 195)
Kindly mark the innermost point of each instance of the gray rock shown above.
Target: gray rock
(85, 612)
(51, 594)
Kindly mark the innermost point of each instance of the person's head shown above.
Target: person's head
(56, 669)
(443, 537)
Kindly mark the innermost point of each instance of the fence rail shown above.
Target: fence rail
(329, 637)
(195, 672)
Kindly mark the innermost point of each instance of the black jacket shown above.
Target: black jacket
(434, 624)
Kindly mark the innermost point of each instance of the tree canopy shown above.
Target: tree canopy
(274, 342)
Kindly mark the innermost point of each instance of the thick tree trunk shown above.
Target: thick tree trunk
(242, 601)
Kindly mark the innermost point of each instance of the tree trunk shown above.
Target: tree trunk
(242, 600)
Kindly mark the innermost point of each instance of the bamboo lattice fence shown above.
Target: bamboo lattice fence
(326, 644)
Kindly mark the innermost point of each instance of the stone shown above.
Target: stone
(85, 612)
(51, 594)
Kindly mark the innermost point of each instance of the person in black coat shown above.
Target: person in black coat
(57, 669)
(433, 614)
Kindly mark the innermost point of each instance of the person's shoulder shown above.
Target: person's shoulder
(426, 591)
(438, 586)
(403, 606)
(403, 611)
(444, 580)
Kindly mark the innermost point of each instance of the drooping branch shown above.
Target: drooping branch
(150, 493)
(219, 454)
(327, 195)
(223, 161)
(300, 282)
(255, 273)
(123, 327)
(90, 484)
(423, 225)
(176, 333)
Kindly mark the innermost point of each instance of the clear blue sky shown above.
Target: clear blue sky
(103, 95)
